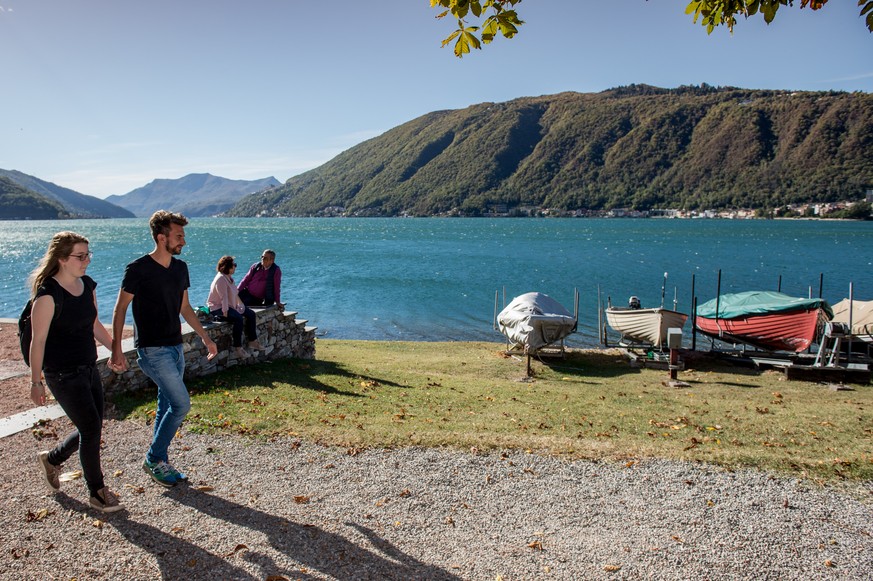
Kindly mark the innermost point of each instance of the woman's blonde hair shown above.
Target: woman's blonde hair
(61, 246)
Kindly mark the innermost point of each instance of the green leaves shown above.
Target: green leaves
(502, 20)
(867, 8)
(712, 13)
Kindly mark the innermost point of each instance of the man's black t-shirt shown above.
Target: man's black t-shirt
(157, 300)
(70, 339)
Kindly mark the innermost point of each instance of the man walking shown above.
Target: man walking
(157, 284)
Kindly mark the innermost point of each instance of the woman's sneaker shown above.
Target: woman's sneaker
(161, 472)
(49, 471)
(105, 501)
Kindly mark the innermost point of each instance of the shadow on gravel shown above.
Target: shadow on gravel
(176, 557)
(314, 548)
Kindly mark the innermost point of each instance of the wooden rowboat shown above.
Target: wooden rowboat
(768, 320)
(644, 326)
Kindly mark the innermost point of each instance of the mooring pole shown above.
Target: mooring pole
(693, 315)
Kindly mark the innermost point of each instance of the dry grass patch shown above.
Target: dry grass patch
(589, 405)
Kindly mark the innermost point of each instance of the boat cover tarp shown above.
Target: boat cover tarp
(862, 316)
(535, 320)
(732, 306)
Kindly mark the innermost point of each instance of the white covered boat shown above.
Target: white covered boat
(644, 326)
(862, 317)
(535, 320)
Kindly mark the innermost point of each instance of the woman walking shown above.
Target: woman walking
(224, 302)
(64, 325)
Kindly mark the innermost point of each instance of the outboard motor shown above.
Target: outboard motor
(634, 303)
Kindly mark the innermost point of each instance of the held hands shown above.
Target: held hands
(118, 362)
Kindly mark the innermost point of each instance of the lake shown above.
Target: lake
(434, 279)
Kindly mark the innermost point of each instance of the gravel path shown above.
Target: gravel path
(286, 510)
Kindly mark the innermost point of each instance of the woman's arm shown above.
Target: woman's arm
(40, 320)
(100, 332)
(224, 293)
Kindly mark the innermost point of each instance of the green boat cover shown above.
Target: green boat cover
(731, 306)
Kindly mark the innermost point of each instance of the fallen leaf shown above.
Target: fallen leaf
(70, 476)
(612, 568)
(536, 545)
(301, 499)
(38, 515)
(236, 550)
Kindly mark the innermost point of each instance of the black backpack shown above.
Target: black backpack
(25, 332)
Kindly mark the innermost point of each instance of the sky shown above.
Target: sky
(104, 96)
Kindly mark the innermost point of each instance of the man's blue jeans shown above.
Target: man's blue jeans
(166, 367)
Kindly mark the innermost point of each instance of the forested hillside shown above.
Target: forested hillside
(17, 203)
(638, 147)
(74, 204)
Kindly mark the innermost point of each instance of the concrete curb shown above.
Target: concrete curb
(24, 420)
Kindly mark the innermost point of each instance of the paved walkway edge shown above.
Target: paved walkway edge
(24, 420)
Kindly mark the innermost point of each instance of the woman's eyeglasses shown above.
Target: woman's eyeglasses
(84, 256)
(234, 264)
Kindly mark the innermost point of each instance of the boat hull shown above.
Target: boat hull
(786, 331)
(648, 326)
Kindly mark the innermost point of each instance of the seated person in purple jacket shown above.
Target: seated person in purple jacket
(262, 283)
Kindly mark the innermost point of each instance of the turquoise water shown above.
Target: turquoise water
(435, 279)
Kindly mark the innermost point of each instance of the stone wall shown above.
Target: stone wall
(280, 333)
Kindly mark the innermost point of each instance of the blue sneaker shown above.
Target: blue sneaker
(180, 476)
(161, 472)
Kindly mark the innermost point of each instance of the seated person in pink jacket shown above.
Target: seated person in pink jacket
(224, 303)
(261, 284)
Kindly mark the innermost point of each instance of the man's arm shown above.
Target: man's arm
(190, 316)
(118, 315)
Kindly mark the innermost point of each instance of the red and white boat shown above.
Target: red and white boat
(768, 320)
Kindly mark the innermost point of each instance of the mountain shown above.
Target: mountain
(192, 195)
(76, 205)
(636, 147)
(19, 203)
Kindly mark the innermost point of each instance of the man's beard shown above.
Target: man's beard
(173, 250)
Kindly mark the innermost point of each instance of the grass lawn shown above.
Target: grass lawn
(591, 404)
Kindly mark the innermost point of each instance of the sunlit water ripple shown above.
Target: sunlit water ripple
(435, 279)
